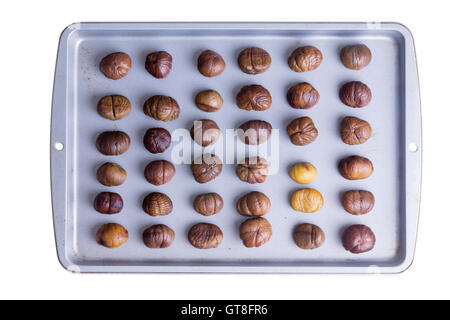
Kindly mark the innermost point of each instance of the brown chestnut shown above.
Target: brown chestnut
(358, 238)
(255, 232)
(208, 204)
(159, 64)
(302, 131)
(162, 108)
(111, 235)
(355, 130)
(157, 140)
(205, 236)
(253, 204)
(206, 168)
(114, 107)
(253, 170)
(108, 203)
(111, 174)
(158, 236)
(358, 202)
(356, 57)
(210, 63)
(355, 168)
(157, 204)
(302, 96)
(254, 97)
(159, 172)
(305, 58)
(113, 143)
(209, 101)
(355, 94)
(308, 236)
(255, 132)
(254, 60)
(205, 132)
(115, 65)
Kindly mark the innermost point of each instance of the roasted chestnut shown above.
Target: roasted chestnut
(307, 200)
(115, 65)
(305, 58)
(205, 132)
(355, 167)
(162, 108)
(114, 107)
(159, 64)
(111, 235)
(358, 238)
(302, 96)
(206, 168)
(209, 101)
(358, 202)
(158, 236)
(254, 97)
(302, 131)
(355, 130)
(113, 143)
(111, 174)
(255, 132)
(157, 204)
(108, 203)
(255, 232)
(210, 63)
(208, 204)
(205, 236)
(356, 56)
(157, 140)
(253, 204)
(254, 60)
(253, 170)
(303, 172)
(308, 236)
(355, 94)
(159, 172)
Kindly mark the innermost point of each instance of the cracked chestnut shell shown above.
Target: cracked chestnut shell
(157, 140)
(255, 232)
(115, 65)
(108, 203)
(356, 57)
(358, 202)
(358, 238)
(305, 58)
(254, 60)
(210, 63)
(205, 236)
(113, 143)
(158, 236)
(253, 204)
(302, 131)
(254, 97)
(307, 200)
(159, 64)
(206, 168)
(159, 172)
(209, 101)
(253, 170)
(111, 174)
(355, 167)
(355, 130)
(255, 132)
(111, 235)
(157, 204)
(205, 132)
(162, 108)
(114, 107)
(308, 236)
(355, 94)
(208, 204)
(302, 96)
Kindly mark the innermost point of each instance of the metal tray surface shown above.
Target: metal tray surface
(395, 148)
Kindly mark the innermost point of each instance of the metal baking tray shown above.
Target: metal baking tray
(395, 148)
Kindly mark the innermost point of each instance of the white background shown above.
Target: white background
(29, 35)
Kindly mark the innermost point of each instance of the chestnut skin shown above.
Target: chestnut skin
(205, 236)
(253, 204)
(115, 65)
(356, 57)
(210, 63)
(358, 238)
(207, 168)
(205, 132)
(159, 64)
(209, 101)
(355, 168)
(157, 140)
(108, 203)
(208, 204)
(308, 236)
(255, 232)
(358, 202)
(355, 94)
(302, 131)
(158, 236)
(159, 172)
(157, 204)
(113, 143)
(162, 108)
(355, 131)
(114, 107)
(254, 97)
(305, 58)
(253, 170)
(111, 174)
(254, 60)
(255, 132)
(111, 235)
(302, 96)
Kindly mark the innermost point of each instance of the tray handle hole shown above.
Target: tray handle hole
(413, 147)
(58, 146)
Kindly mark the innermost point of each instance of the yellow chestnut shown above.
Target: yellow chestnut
(307, 200)
(303, 172)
